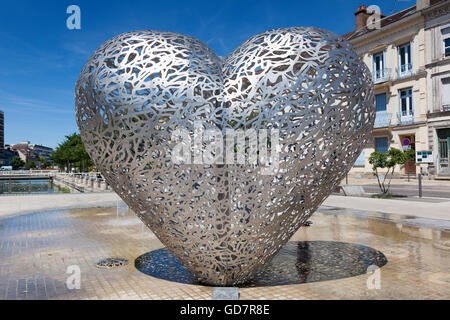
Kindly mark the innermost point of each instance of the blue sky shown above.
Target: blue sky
(40, 58)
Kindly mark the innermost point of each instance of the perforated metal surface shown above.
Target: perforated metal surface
(109, 263)
(223, 221)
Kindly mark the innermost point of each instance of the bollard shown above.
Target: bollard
(420, 185)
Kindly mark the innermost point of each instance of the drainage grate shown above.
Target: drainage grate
(111, 263)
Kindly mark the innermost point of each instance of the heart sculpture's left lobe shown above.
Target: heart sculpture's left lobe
(223, 220)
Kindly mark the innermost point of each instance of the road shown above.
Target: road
(411, 190)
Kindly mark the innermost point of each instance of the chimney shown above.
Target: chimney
(361, 17)
(422, 4)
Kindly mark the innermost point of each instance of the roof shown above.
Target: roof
(433, 2)
(384, 22)
(389, 20)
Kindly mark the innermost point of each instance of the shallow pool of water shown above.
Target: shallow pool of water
(27, 186)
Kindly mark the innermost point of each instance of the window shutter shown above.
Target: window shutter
(380, 100)
(446, 91)
(381, 144)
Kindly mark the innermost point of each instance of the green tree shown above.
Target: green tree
(16, 162)
(388, 161)
(31, 164)
(43, 162)
(71, 153)
(410, 155)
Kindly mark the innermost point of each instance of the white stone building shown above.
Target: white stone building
(397, 53)
(437, 49)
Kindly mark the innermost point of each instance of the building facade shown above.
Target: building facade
(437, 47)
(2, 131)
(32, 152)
(23, 151)
(396, 53)
(6, 154)
(41, 151)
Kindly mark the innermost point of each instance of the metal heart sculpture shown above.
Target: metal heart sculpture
(225, 220)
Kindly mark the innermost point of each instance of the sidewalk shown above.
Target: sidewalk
(12, 205)
(416, 208)
(413, 181)
(15, 204)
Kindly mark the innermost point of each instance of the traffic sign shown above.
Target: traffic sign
(406, 142)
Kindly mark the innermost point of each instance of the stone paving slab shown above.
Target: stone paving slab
(413, 181)
(431, 210)
(37, 249)
(19, 204)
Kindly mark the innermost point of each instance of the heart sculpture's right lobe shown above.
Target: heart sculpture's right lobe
(223, 220)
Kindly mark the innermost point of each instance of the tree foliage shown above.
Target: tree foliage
(31, 164)
(44, 164)
(410, 155)
(16, 162)
(388, 161)
(71, 153)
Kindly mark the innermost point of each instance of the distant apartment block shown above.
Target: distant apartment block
(408, 56)
(28, 151)
(2, 130)
(41, 151)
(25, 150)
(6, 154)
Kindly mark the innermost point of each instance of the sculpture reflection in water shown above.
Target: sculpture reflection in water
(297, 262)
(225, 221)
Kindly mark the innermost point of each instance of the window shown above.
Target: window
(378, 65)
(404, 59)
(380, 101)
(446, 40)
(446, 93)
(381, 144)
(447, 47)
(406, 103)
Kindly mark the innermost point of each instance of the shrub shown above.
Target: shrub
(388, 160)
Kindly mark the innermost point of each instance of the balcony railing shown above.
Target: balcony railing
(381, 75)
(360, 160)
(382, 119)
(405, 118)
(405, 71)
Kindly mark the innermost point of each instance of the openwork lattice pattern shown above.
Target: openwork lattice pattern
(224, 221)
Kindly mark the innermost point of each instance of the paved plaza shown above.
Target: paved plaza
(36, 250)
